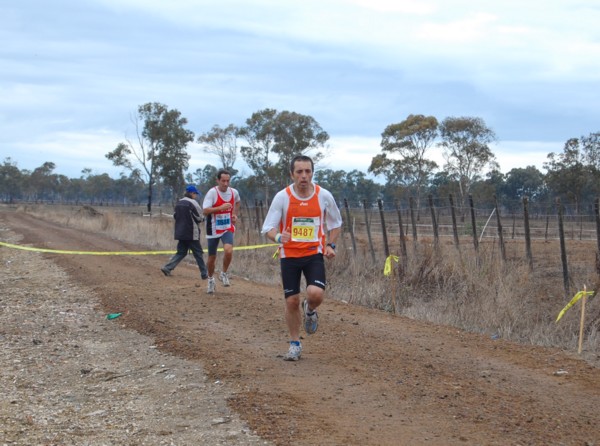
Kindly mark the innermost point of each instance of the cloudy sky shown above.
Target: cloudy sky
(72, 73)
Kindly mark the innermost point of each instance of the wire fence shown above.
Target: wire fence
(383, 231)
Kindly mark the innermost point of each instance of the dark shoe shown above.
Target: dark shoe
(311, 320)
(165, 271)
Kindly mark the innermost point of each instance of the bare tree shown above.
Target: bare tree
(221, 142)
(161, 147)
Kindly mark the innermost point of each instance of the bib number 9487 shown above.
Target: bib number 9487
(303, 233)
(304, 229)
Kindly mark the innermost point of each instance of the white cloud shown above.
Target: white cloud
(397, 6)
(71, 152)
(350, 153)
(470, 29)
(520, 154)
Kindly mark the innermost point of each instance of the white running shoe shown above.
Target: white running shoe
(211, 285)
(293, 353)
(224, 278)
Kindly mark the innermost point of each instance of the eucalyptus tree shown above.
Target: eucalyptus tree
(358, 187)
(442, 184)
(483, 191)
(43, 181)
(406, 144)
(160, 151)
(525, 182)
(353, 186)
(250, 190)
(590, 146)
(259, 134)
(273, 138)
(100, 188)
(130, 189)
(332, 180)
(11, 180)
(297, 134)
(221, 142)
(75, 190)
(466, 151)
(62, 187)
(570, 174)
(203, 178)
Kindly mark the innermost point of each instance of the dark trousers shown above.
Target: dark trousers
(183, 247)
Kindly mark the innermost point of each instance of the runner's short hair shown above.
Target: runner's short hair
(301, 158)
(222, 172)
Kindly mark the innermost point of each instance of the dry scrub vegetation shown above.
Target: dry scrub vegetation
(442, 285)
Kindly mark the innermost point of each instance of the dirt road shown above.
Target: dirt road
(366, 378)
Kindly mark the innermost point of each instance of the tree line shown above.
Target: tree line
(155, 164)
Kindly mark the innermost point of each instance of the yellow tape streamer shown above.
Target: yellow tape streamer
(387, 269)
(573, 302)
(115, 253)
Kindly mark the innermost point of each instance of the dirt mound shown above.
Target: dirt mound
(88, 211)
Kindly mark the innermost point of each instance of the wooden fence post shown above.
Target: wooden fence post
(369, 232)
(563, 248)
(436, 236)
(249, 216)
(241, 224)
(500, 235)
(597, 214)
(527, 232)
(350, 226)
(262, 213)
(413, 222)
(402, 238)
(514, 222)
(386, 247)
(474, 225)
(454, 227)
(257, 212)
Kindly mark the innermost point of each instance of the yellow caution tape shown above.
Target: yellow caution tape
(387, 269)
(573, 302)
(115, 253)
(244, 248)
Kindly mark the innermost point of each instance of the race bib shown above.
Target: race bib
(222, 221)
(305, 229)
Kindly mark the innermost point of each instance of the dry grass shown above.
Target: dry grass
(488, 296)
(441, 285)
(155, 232)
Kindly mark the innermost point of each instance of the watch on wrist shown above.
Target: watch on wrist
(332, 245)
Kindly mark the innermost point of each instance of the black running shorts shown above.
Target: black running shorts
(292, 268)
